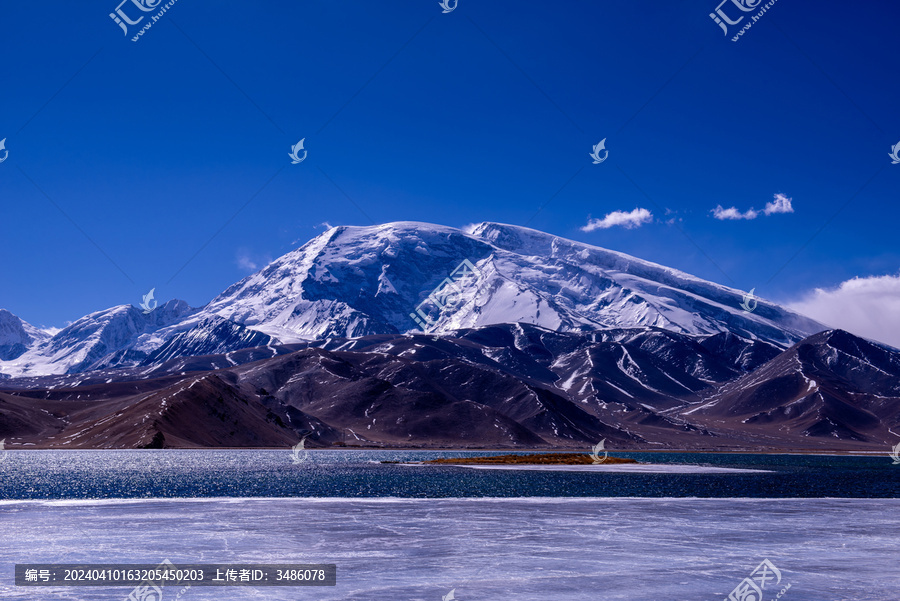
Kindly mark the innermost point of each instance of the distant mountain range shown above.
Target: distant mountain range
(533, 341)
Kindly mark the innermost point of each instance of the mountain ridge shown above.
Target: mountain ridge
(501, 386)
(531, 341)
(353, 281)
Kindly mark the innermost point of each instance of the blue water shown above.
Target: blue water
(255, 473)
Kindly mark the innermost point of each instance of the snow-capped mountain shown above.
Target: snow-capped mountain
(355, 281)
(17, 336)
(397, 277)
(116, 336)
(213, 336)
(533, 340)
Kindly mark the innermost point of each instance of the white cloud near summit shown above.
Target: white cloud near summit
(868, 307)
(247, 261)
(780, 204)
(629, 220)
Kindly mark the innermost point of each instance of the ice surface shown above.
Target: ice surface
(537, 549)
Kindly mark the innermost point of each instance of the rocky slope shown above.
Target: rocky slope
(504, 386)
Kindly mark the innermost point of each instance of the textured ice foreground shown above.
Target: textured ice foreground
(536, 549)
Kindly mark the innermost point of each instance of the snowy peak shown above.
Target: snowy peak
(17, 336)
(406, 277)
(347, 282)
(355, 281)
(94, 340)
(646, 293)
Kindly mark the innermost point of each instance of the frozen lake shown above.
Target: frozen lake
(357, 473)
(527, 549)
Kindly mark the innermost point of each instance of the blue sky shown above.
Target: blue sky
(164, 162)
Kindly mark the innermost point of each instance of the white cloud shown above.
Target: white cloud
(249, 263)
(733, 213)
(633, 219)
(782, 204)
(245, 263)
(674, 218)
(868, 307)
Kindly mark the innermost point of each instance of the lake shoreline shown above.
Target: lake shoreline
(817, 453)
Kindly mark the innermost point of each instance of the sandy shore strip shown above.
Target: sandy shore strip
(625, 468)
